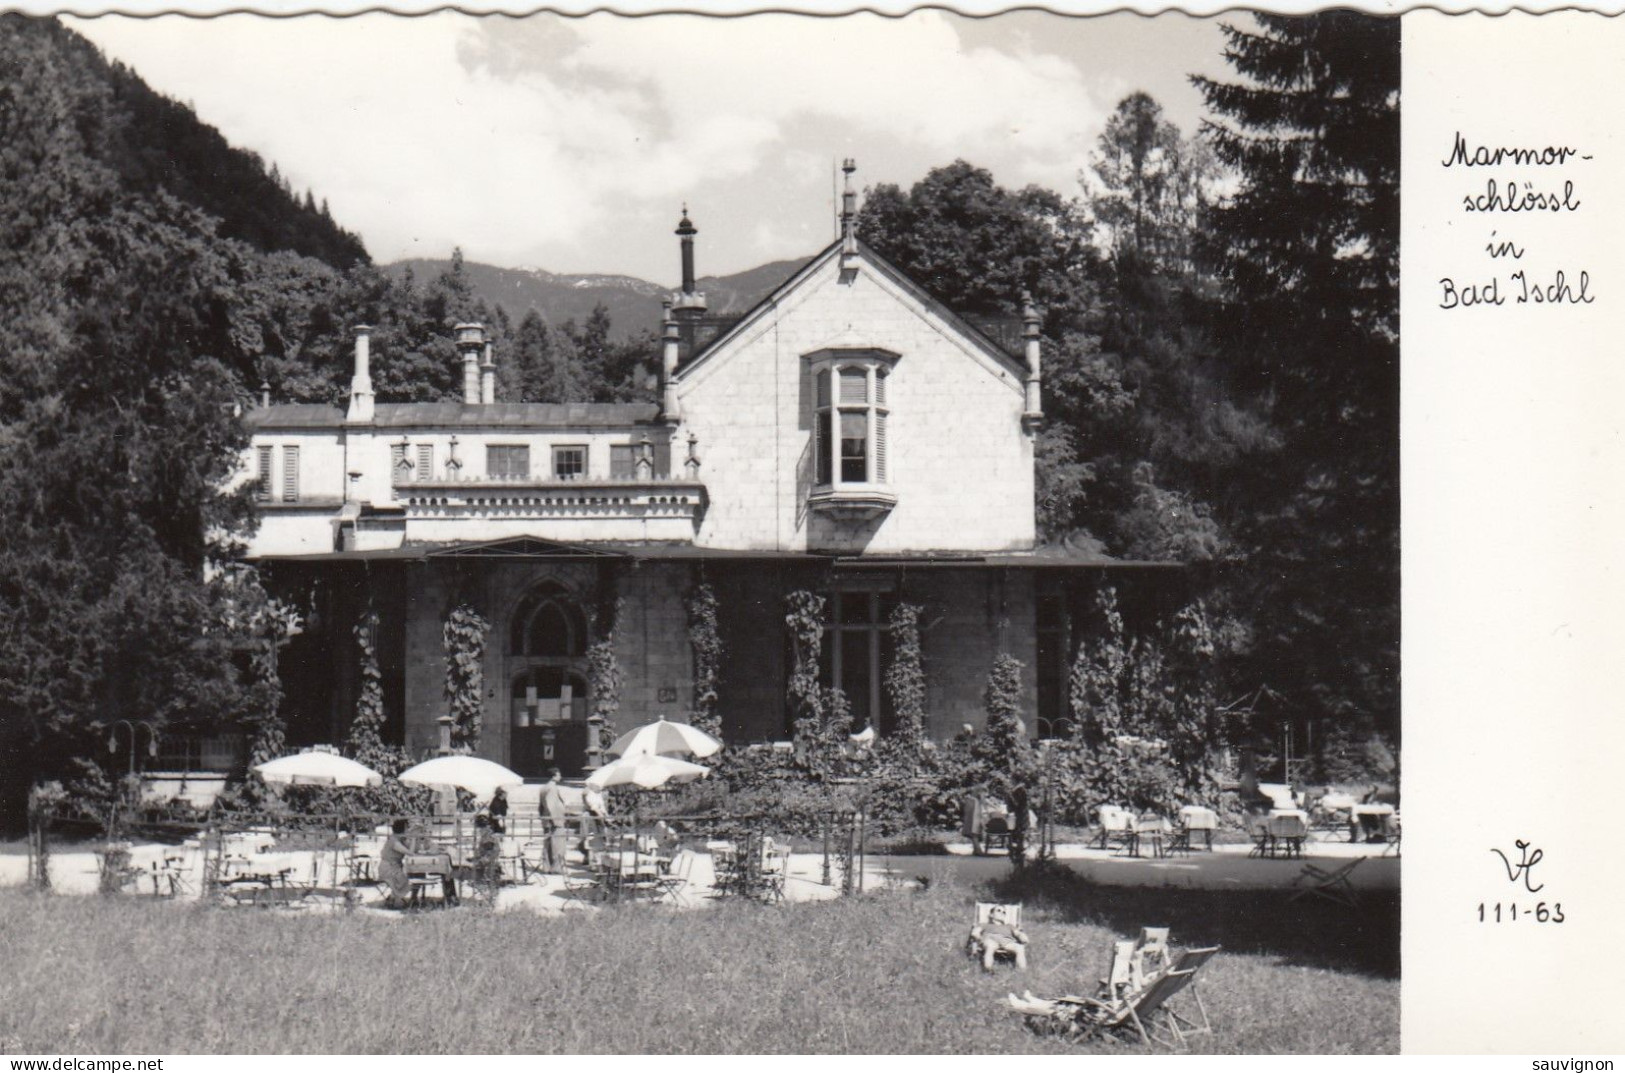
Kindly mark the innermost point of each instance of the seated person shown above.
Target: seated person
(392, 868)
(999, 935)
(487, 854)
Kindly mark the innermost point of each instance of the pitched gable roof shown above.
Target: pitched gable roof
(978, 338)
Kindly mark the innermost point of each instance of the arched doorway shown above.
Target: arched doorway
(547, 648)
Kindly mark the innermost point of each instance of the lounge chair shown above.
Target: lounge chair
(1007, 914)
(1147, 1013)
(1333, 885)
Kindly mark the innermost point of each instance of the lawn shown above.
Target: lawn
(883, 973)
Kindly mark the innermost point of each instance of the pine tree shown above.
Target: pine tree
(1309, 247)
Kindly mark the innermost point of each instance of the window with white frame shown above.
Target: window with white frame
(507, 461)
(570, 462)
(849, 423)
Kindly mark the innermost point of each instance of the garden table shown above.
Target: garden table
(1367, 821)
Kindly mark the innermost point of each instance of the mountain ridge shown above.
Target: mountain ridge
(633, 304)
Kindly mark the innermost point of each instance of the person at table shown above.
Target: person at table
(392, 866)
(552, 810)
(497, 810)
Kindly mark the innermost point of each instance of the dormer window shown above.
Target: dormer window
(849, 429)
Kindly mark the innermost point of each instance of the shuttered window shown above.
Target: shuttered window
(290, 474)
(622, 461)
(849, 426)
(263, 478)
(400, 467)
(425, 461)
(880, 446)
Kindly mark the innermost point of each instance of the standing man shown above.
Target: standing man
(552, 809)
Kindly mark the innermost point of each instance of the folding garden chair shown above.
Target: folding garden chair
(674, 883)
(1258, 828)
(1332, 885)
(1116, 825)
(1147, 1013)
(1287, 833)
(1009, 914)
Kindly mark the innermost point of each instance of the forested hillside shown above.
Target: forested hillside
(632, 304)
(151, 141)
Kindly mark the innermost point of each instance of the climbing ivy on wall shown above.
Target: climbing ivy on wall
(705, 638)
(805, 618)
(604, 673)
(465, 675)
(905, 678)
(366, 738)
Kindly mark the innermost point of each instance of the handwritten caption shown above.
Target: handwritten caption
(1521, 871)
(1506, 198)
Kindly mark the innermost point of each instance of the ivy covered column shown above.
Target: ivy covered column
(705, 638)
(465, 675)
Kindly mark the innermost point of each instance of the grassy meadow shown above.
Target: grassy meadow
(884, 973)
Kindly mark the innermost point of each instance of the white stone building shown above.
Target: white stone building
(849, 435)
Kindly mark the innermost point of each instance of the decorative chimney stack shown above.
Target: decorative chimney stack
(688, 302)
(488, 377)
(1033, 415)
(670, 410)
(470, 341)
(849, 209)
(361, 382)
(849, 223)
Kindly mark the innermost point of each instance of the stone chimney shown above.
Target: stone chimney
(670, 411)
(849, 209)
(1033, 414)
(470, 341)
(688, 302)
(849, 223)
(488, 377)
(361, 383)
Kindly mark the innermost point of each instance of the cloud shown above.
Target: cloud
(542, 140)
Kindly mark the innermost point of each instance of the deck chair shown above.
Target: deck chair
(1147, 1014)
(1332, 885)
(984, 916)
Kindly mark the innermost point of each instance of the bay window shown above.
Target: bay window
(849, 428)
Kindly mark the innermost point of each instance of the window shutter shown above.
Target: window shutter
(425, 461)
(854, 386)
(821, 458)
(662, 459)
(290, 474)
(823, 387)
(880, 387)
(621, 464)
(265, 476)
(398, 464)
(880, 446)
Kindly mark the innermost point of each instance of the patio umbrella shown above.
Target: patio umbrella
(482, 778)
(645, 771)
(666, 739)
(324, 768)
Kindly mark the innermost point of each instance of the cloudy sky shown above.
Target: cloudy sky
(571, 143)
